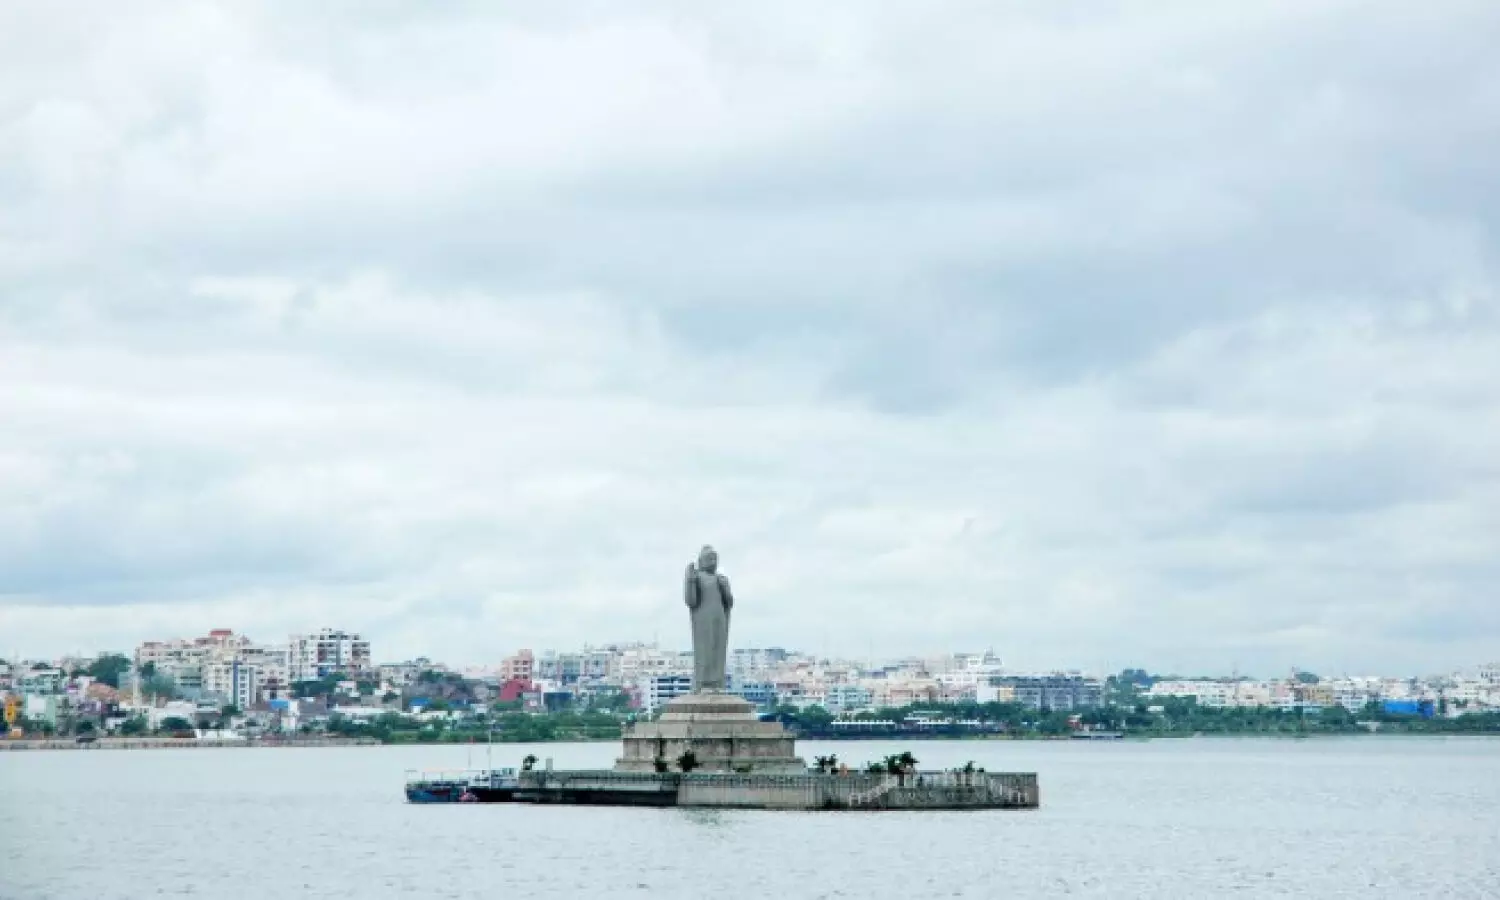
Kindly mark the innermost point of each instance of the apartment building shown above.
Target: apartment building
(234, 682)
(756, 662)
(328, 651)
(663, 689)
(520, 666)
(44, 680)
(847, 698)
(1056, 692)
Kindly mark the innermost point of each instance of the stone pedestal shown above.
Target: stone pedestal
(723, 732)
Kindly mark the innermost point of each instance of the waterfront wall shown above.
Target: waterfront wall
(926, 790)
(805, 791)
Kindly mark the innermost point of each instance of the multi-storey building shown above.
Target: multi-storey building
(662, 689)
(847, 698)
(519, 667)
(637, 664)
(221, 666)
(327, 652)
(233, 681)
(42, 680)
(761, 693)
(1207, 692)
(1055, 692)
(401, 674)
(563, 668)
(756, 662)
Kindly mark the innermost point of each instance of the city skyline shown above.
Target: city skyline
(335, 672)
(497, 661)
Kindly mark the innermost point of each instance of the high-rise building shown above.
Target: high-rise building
(327, 652)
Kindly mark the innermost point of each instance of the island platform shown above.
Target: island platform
(726, 755)
(804, 791)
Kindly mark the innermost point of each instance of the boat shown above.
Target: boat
(462, 786)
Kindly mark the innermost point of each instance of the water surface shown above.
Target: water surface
(1357, 817)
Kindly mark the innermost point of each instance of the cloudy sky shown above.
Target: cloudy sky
(1161, 334)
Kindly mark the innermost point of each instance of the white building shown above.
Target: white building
(401, 674)
(222, 665)
(234, 682)
(755, 663)
(1212, 692)
(847, 698)
(638, 665)
(1355, 692)
(326, 652)
(660, 690)
(44, 680)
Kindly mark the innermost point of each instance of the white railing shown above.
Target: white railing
(886, 785)
(448, 776)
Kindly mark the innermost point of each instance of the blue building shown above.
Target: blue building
(761, 693)
(1420, 708)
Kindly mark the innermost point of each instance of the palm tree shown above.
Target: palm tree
(901, 764)
(688, 761)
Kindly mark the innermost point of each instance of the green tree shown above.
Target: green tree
(227, 714)
(133, 726)
(172, 724)
(36, 726)
(108, 668)
(318, 687)
(159, 685)
(688, 761)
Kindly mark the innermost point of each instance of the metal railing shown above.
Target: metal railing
(472, 777)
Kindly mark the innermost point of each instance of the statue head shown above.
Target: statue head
(708, 559)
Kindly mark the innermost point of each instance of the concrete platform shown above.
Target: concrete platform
(807, 791)
(721, 730)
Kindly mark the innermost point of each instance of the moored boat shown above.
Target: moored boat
(467, 786)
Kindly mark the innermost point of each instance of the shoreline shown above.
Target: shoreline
(20, 745)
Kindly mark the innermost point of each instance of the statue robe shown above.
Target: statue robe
(709, 602)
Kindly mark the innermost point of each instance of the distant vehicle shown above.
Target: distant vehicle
(86, 738)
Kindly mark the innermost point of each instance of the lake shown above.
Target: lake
(1328, 817)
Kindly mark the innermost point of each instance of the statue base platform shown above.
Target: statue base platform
(723, 732)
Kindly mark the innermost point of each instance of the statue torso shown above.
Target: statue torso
(708, 589)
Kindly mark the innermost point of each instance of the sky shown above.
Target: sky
(1160, 334)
